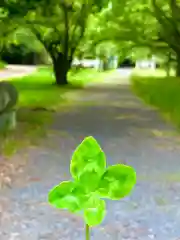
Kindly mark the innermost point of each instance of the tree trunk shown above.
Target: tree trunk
(178, 65)
(105, 64)
(61, 66)
(168, 69)
(168, 65)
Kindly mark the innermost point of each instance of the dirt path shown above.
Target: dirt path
(128, 132)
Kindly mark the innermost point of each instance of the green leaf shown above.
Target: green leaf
(117, 182)
(88, 163)
(95, 211)
(68, 195)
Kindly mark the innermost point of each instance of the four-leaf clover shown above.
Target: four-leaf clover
(91, 182)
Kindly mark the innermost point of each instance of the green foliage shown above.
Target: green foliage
(161, 92)
(117, 182)
(94, 211)
(2, 65)
(68, 195)
(106, 49)
(81, 26)
(144, 27)
(56, 24)
(92, 181)
(88, 162)
(23, 36)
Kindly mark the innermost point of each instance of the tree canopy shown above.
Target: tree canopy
(68, 27)
(153, 26)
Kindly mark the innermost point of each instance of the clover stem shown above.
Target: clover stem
(87, 232)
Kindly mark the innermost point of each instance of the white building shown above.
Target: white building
(146, 63)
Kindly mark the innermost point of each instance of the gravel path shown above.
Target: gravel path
(128, 132)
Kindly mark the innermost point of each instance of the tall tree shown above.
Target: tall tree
(167, 14)
(59, 25)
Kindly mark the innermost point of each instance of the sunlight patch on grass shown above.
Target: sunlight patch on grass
(126, 116)
(164, 133)
(87, 76)
(173, 177)
(160, 201)
(161, 178)
(131, 116)
(158, 133)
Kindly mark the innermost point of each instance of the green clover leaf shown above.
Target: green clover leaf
(94, 211)
(68, 195)
(92, 181)
(88, 163)
(117, 182)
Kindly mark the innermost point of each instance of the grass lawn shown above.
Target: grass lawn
(37, 91)
(2, 65)
(161, 92)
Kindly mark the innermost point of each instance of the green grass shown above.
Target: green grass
(160, 92)
(38, 91)
(83, 77)
(2, 65)
(78, 78)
